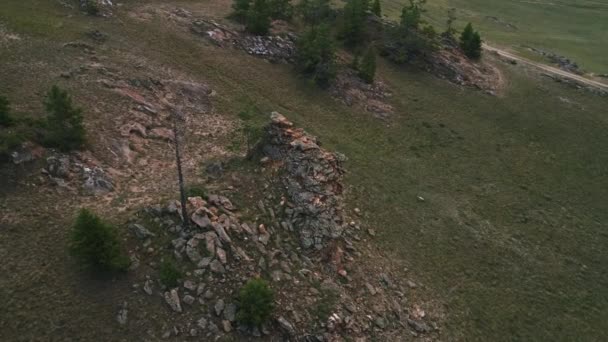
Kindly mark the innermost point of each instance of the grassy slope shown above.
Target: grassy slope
(512, 233)
(573, 28)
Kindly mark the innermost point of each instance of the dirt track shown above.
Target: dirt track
(547, 68)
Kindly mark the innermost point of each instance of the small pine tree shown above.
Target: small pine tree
(376, 9)
(6, 119)
(470, 42)
(258, 17)
(96, 244)
(367, 68)
(240, 8)
(65, 128)
(256, 302)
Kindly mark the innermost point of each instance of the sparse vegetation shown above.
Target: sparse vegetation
(367, 67)
(413, 38)
(252, 132)
(64, 123)
(96, 244)
(470, 42)
(6, 119)
(316, 55)
(169, 274)
(256, 302)
(196, 191)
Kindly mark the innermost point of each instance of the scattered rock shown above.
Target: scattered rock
(230, 312)
(149, 287)
(286, 326)
(188, 299)
(122, 314)
(140, 231)
(217, 267)
(219, 307)
(172, 298)
(418, 325)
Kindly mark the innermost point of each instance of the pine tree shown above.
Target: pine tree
(5, 112)
(96, 244)
(64, 122)
(376, 9)
(367, 68)
(353, 29)
(470, 42)
(258, 17)
(240, 9)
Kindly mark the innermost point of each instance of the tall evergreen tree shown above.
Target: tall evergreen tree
(65, 128)
(376, 9)
(470, 42)
(353, 29)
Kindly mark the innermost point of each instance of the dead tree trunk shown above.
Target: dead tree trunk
(180, 176)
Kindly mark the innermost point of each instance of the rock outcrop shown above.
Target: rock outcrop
(312, 179)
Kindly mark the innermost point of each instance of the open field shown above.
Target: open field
(511, 237)
(572, 28)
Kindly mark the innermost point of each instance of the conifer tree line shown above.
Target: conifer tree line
(326, 28)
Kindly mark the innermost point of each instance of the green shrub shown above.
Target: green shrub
(5, 113)
(64, 122)
(169, 274)
(256, 302)
(96, 244)
(470, 42)
(196, 191)
(413, 38)
(316, 55)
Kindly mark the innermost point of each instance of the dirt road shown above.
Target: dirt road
(547, 68)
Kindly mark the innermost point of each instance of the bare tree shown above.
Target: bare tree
(177, 135)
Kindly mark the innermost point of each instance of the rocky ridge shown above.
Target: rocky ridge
(322, 293)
